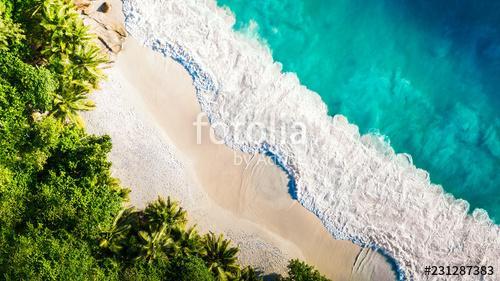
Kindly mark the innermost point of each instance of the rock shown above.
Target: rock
(82, 5)
(120, 29)
(107, 25)
(105, 7)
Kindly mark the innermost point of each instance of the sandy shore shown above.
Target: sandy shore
(148, 106)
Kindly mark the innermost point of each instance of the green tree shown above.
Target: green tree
(157, 270)
(160, 219)
(250, 274)
(75, 190)
(164, 215)
(41, 254)
(154, 245)
(220, 257)
(188, 242)
(64, 45)
(24, 143)
(189, 268)
(35, 85)
(11, 33)
(70, 52)
(300, 271)
(114, 236)
(67, 106)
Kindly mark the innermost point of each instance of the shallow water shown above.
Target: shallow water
(425, 74)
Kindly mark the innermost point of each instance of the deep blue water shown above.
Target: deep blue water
(426, 74)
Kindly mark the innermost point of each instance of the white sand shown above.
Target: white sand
(148, 107)
(356, 184)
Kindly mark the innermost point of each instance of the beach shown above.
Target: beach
(148, 107)
(357, 184)
(334, 186)
(248, 140)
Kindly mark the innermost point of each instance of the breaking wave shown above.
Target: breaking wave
(356, 184)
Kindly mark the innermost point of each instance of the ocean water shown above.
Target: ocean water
(339, 177)
(424, 74)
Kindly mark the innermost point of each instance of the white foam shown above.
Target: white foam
(355, 184)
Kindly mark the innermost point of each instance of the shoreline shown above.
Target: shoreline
(249, 203)
(249, 75)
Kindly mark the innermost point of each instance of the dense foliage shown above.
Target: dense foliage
(300, 271)
(63, 45)
(61, 212)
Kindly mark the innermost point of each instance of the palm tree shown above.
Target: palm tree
(112, 238)
(250, 274)
(220, 257)
(154, 245)
(188, 243)
(67, 107)
(164, 215)
(60, 20)
(67, 49)
(68, 41)
(161, 219)
(86, 61)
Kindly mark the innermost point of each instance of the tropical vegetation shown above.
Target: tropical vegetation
(300, 271)
(62, 215)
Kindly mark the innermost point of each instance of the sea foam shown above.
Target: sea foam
(357, 185)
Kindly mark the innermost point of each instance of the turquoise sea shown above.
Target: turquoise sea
(425, 74)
